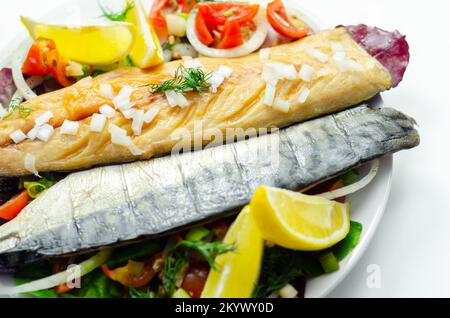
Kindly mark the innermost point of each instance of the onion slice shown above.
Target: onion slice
(18, 78)
(352, 188)
(248, 47)
(60, 278)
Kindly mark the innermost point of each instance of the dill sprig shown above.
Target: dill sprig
(180, 254)
(14, 105)
(185, 79)
(116, 16)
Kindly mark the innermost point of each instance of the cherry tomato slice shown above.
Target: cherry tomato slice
(158, 20)
(279, 20)
(57, 66)
(36, 61)
(231, 36)
(217, 14)
(14, 206)
(195, 279)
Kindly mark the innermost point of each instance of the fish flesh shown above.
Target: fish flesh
(113, 204)
(337, 73)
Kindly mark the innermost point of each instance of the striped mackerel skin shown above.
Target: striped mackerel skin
(112, 204)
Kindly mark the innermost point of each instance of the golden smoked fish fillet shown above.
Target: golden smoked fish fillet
(237, 104)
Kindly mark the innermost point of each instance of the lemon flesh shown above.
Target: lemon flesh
(298, 221)
(92, 44)
(146, 50)
(238, 271)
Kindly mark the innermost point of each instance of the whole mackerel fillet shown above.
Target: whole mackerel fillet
(113, 204)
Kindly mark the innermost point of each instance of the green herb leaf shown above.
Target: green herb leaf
(116, 16)
(96, 285)
(137, 293)
(35, 188)
(185, 79)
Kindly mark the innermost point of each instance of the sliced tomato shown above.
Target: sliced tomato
(134, 274)
(217, 14)
(279, 20)
(158, 20)
(195, 279)
(57, 66)
(36, 61)
(204, 35)
(231, 36)
(14, 206)
(185, 6)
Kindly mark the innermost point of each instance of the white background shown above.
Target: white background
(412, 244)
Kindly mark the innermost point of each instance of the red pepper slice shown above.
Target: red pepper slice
(279, 20)
(231, 36)
(204, 35)
(134, 274)
(14, 206)
(36, 61)
(57, 66)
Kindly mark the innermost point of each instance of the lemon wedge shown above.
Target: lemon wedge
(298, 221)
(238, 271)
(146, 50)
(91, 44)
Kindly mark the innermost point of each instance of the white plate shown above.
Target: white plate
(367, 205)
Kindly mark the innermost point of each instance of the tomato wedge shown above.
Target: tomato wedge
(204, 35)
(57, 66)
(36, 61)
(195, 279)
(158, 20)
(134, 274)
(14, 206)
(217, 14)
(279, 20)
(231, 36)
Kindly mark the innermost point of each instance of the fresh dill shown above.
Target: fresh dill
(180, 254)
(185, 79)
(14, 105)
(116, 16)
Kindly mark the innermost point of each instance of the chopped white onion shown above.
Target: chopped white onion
(123, 100)
(18, 136)
(151, 114)
(176, 99)
(129, 113)
(322, 57)
(119, 136)
(107, 110)
(269, 94)
(264, 54)
(138, 122)
(306, 73)
(70, 127)
(281, 105)
(135, 150)
(74, 69)
(215, 80)
(304, 93)
(98, 122)
(44, 118)
(342, 192)
(45, 132)
(288, 291)
(278, 71)
(30, 165)
(107, 91)
(32, 134)
(225, 71)
(192, 63)
(343, 63)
